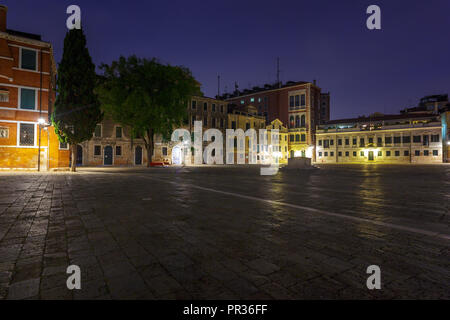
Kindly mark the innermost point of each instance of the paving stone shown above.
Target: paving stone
(24, 289)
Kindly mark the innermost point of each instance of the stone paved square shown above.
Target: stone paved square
(226, 233)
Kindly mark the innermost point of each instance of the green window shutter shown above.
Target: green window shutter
(28, 59)
(27, 99)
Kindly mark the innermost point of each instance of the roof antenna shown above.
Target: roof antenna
(278, 72)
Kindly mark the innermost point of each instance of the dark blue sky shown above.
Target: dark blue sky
(326, 40)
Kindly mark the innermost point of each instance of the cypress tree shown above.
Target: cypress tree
(77, 109)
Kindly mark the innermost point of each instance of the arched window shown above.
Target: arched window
(303, 121)
(297, 121)
(291, 121)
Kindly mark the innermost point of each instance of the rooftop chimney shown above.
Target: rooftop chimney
(3, 12)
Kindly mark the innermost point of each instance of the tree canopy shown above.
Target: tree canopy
(147, 96)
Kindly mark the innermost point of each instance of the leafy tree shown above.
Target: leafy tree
(147, 96)
(77, 109)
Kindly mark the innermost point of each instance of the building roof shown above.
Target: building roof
(266, 88)
(381, 118)
(24, 34)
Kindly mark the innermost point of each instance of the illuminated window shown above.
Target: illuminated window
(361, 153)
(252, 99)
(242, 101)
(26, 134)
(4, 95)
(380, 153)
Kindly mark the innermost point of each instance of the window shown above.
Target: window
(347, 142)
(340, 154)
(297, 121)
(354, 153)
(397, 140)
(303, 137)
(426, 153)
(247, 126)
(242, 101)
(380, 153)
(63, 146)
(406, 139)
(425, 140)
(361, 153)
(252, 99)
(347, 153)
(303, 100)
(320, 142)
(331, 142)
(193, 120)
(320, 154)
(361, 142)
(388, 153)
(326, 154)
(435, 138)
(4, 95)
(164, 151)
(213, 107)
(118, 150)
(213, 122)
(397, 153)
(354, 141)
(297, 137)
(303, 121)
(297, 101)
(98, 131)
(370, 140)
(388, 140)
(326, 143)
(331, 154)
(205, 106)
(417, 153)
(205, 121)
(435, 152)
(291, 101)
(417, 139)
(194, 104)
(4, 132)
(27, 99)
(97, 150)
(291, 138)
(26, 134)
(406, 153)
(118, 132)
(28, 59)
(380, 141)
(339, 142)
(221, 108)
(233, 125)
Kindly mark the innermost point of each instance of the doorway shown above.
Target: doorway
(138, 156)
(79, 156)
(370, 155)
(177, 155)
(108, 156)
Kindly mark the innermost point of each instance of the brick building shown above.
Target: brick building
(27, 82)
(296, 104)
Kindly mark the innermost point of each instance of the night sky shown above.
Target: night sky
(365, 71)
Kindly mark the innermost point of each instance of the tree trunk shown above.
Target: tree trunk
(73, 165)
(149, 146)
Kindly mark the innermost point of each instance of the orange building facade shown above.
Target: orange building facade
(27, 94)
